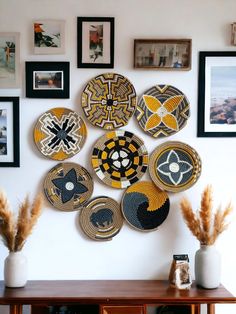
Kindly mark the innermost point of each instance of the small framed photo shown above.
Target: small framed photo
(163, 54)
(95, 42)
(217, 94)
(233, 34)
(9, 132)
(47, 79)
(49, 36)
(9, 60)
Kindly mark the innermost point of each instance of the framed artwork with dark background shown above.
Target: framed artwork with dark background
(47, 79)
(9, 132)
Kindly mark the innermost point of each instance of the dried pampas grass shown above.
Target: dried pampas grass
(205, 225)
(15, 232)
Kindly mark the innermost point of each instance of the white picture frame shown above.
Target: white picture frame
(9, 60)
(48, 36)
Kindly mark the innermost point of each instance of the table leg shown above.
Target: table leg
(16, 309)
(196, 309)
(211, 308)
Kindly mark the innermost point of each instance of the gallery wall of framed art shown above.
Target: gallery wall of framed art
(95, 91)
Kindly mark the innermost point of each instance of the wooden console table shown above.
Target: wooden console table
(128, 293)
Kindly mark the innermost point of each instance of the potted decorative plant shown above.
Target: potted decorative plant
(14, 233)
(206, 226)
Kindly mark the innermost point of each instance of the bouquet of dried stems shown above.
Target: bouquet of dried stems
(205, 224)
(14, 232)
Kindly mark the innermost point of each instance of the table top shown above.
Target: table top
(110, 292)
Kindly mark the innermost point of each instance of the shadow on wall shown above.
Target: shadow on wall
(172, 237)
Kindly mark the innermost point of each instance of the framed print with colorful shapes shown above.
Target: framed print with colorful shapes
(217, 94)
(49, 36)
(95, 42)
(9, 132)
(9, 60)
(47, 79)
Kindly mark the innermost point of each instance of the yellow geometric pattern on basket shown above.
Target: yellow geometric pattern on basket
(162, 112)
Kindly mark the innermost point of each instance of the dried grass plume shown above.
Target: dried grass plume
(204, 224)
(14, 232)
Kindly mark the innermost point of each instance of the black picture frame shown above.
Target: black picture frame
(9, 132)
(216, 100)
(102, 43)
(47, 79)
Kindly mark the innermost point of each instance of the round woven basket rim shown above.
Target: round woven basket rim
(104, 74)
(146, 92)
(84, 134)
(91, 186)
(129, 223)
(175, 144)
(119, 221)
(103, 137)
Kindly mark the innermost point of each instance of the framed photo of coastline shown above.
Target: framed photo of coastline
(47, 79)
(163, 54)
(95, 42)
(9, 132)
(9, 60)
(217, 94)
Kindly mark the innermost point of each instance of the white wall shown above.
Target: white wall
(57, 248)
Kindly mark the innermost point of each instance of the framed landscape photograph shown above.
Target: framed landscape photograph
(163, 54)
(49, 36)
(47, 79)
(9, 60)
(9, 132)
(95, 42)
(217, 94)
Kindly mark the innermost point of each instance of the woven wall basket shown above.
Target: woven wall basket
(145, 206)
(174, 166)
(68, 186)
(60, 133)
(162, 110)
(101, 218)
(109, 101)
(119, 158)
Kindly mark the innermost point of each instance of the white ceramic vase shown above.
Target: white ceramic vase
(15, 270)
(207, 267)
